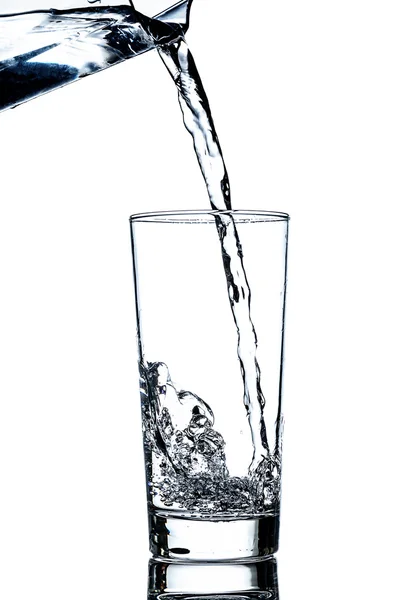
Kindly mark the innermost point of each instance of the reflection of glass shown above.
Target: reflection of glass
(211, 384)
(213, 581)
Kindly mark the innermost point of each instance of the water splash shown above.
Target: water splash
(186, 466)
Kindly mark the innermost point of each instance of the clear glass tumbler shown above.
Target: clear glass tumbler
(210, 298)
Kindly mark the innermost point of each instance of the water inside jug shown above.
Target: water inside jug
(58, 43)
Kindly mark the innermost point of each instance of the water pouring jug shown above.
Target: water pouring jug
(55, 42)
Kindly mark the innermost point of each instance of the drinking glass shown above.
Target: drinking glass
(210, 291)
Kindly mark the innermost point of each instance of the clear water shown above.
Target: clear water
(198, 121)
(186, 465)
(43, 50)
(190, 470)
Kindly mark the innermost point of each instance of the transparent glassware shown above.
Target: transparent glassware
(47, 44)
(211, 375)
(213, 581)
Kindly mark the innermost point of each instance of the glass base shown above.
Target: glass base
(249, 596)
(213, 581)
(184, 539)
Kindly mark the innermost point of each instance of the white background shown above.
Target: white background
(322, 142)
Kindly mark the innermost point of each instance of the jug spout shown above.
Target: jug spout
(162, 10)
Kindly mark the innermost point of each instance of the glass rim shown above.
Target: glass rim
(208, 216)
